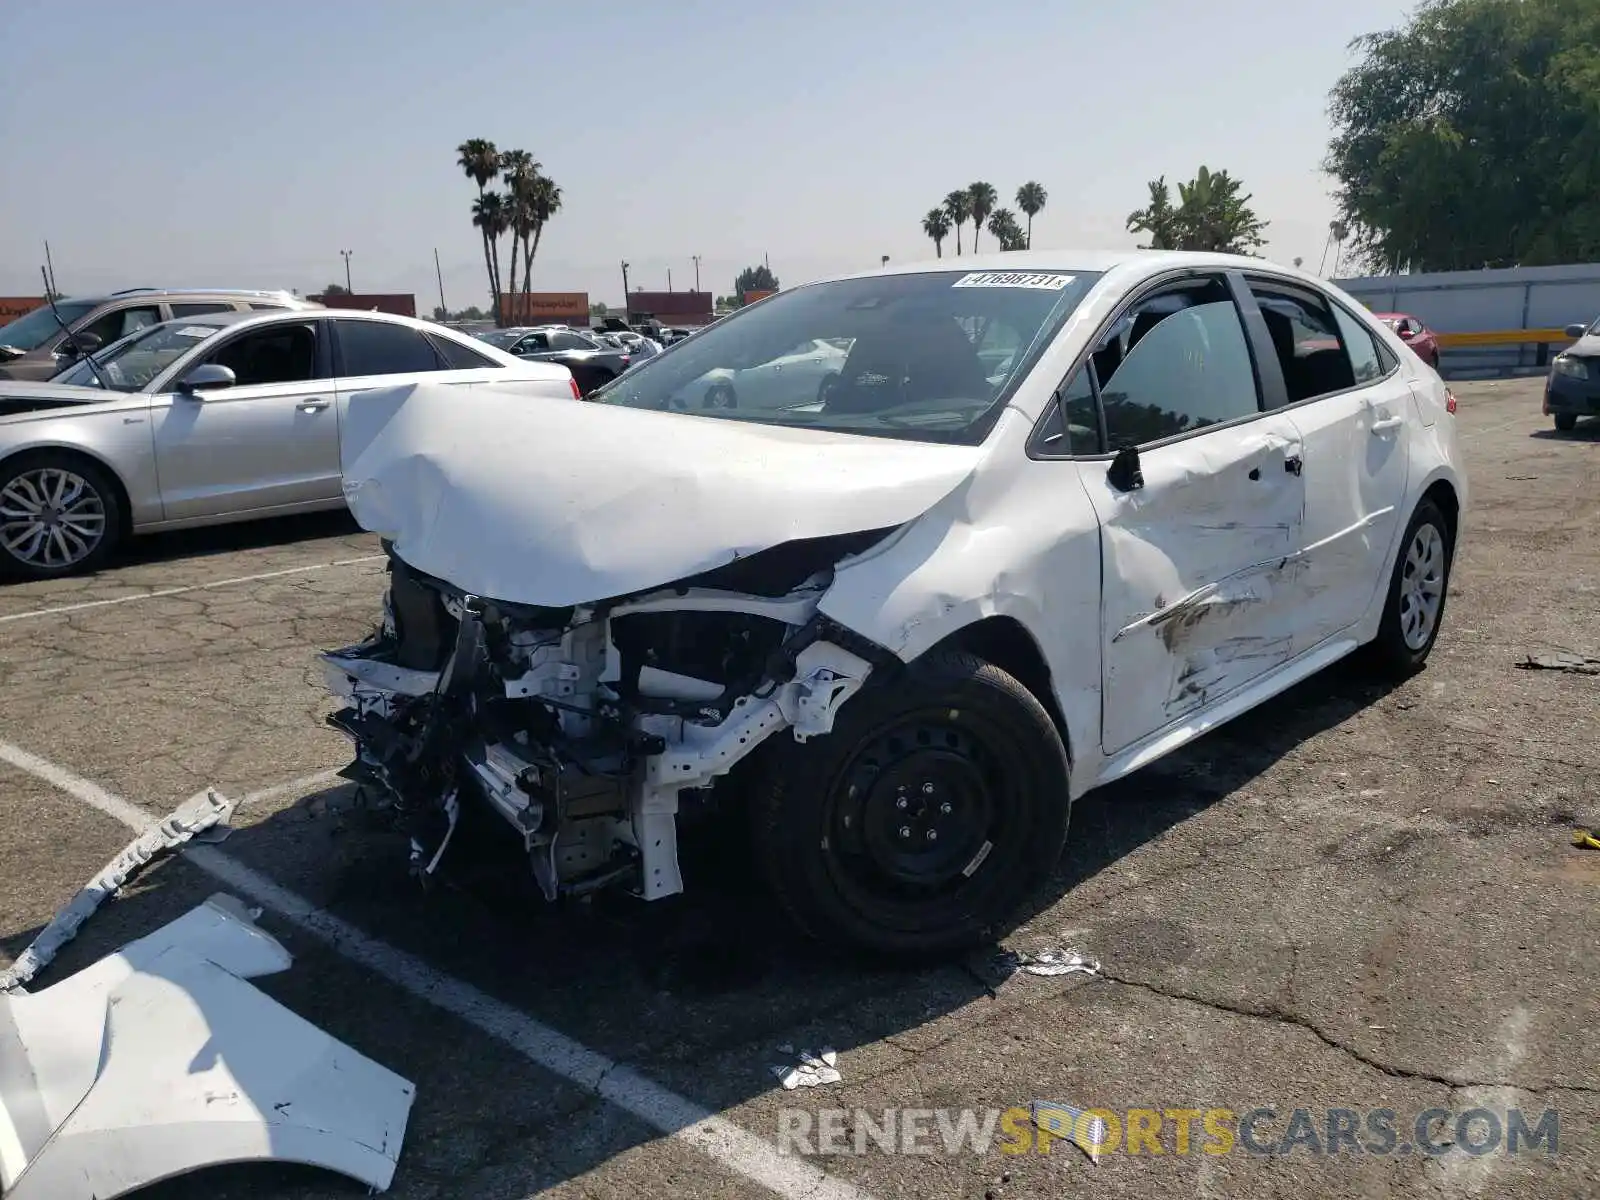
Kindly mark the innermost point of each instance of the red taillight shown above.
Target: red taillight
(1449, 401)
(577, 395)
(626, 360)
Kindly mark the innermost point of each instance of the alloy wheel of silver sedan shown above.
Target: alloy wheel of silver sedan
(1422, 586)
(51, 518)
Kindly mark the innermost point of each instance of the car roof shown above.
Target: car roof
(1142, 262)
(189, 293)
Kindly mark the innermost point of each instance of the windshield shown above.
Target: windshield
(39, 326)
(922, 357)
(500, 339)
(137, 359)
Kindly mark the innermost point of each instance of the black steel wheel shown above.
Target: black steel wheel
(924, 820)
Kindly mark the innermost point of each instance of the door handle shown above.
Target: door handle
(1384, 424)
(1294, 464)
(313, 405)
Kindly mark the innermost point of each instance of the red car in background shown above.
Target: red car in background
(1415, 334)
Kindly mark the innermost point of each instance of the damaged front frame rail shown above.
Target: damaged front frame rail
(584, 747)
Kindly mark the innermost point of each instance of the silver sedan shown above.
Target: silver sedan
(210, 419)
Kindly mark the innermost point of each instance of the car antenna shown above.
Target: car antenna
(50, 298)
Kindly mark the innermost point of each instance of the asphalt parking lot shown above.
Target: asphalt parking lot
(1360, 898)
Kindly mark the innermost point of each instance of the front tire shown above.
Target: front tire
(60, 514)
(916, 828)
(1417, 591)
(1566, 422)
(721, 396)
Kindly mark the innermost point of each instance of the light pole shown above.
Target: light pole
(696, 258)
(625, 305)
(444, 312)
(347, 287)
(669, 279)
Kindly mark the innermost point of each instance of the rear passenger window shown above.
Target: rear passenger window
(198, 310)
(1179, 371)
(379, 348)
(1310, 350)
(1361, 346)
(458, 357)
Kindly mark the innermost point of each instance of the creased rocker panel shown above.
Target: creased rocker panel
(979, 568)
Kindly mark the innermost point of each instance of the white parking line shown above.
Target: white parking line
(734, 1148)
(193, 587)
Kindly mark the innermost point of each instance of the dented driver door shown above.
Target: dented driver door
(1195, 547)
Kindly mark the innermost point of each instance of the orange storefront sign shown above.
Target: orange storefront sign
(533, 308)
(12, 307)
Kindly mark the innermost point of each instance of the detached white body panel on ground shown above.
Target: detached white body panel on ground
(161, 1059)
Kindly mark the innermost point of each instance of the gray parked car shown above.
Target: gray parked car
(1572, 389)
(36, 347)
(220, 417)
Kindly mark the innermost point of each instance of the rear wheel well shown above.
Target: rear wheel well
(1443, 495)
(1006, 643)
(124, 507)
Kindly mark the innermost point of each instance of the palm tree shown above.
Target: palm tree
(492, 217)
(937, 226)
(544, 201)
(958, 207)
(479, 159)
(1030, 199)
(984, 198)
(1007, 233)
(518, 169)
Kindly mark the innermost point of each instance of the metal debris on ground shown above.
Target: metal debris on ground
(1572, 664)
(1586, 839)
(811, 1070)
(1048, 962)
(205, 813)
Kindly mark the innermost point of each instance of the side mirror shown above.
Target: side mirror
(207, 376)
(76, 344)
(1576, 331)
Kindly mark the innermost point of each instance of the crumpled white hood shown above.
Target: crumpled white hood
(558, 502)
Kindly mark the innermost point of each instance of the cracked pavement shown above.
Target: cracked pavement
(1361, 897)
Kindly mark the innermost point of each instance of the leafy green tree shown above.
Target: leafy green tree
(1470, 137)
(958, 207)
(1211, 214)
(1030, 199)
(755, 279)
(983, 198)
(335, 289)
(937, 226)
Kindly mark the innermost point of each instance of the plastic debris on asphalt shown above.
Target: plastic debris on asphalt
(204, 814)
(1586, 839)
(809, 1070)
(1048, 962)
(1087, 1132)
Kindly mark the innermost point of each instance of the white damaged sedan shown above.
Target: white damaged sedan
(1055, 517)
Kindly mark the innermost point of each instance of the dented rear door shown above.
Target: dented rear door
(1196, 601)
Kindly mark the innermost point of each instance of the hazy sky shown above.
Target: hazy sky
(228, 143)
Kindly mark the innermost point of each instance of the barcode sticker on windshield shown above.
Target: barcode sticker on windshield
(1044, 281)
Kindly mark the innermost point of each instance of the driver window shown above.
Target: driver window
(1176, 363)
(121, 323)
(277, 354)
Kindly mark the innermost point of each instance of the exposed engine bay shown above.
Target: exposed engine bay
(587, 728)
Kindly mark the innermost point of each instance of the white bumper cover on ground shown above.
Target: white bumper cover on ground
(160, 1059)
